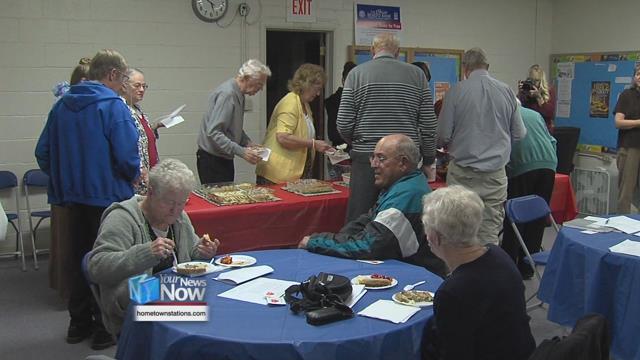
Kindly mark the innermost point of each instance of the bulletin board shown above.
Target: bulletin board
(588, 87)
(445, 65)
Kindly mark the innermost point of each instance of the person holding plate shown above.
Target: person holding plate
(291, 135)
(479, 311)
(145, 235)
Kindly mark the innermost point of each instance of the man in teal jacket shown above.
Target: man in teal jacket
(392, 229)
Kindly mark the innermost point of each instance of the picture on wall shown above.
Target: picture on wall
(599, 103)
(441, 89)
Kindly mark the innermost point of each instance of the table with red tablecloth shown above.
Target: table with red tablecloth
(563, 199)
(268, 225)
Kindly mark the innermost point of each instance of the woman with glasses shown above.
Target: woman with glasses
(133, 91)
(145, 235)
(291, 135)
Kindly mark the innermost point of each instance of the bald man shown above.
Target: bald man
(392, 228)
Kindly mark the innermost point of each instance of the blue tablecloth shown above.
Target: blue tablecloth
(583, 276)
(239, 330)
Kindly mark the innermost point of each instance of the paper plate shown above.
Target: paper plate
(210, 268)
(413, 303)
(356, 281)
(238, 261)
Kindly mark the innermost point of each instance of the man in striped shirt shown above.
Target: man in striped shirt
(381, 97)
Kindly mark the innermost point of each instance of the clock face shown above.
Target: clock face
(209, 10)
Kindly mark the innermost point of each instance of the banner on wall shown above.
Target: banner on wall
(599, 102)
(371, 20)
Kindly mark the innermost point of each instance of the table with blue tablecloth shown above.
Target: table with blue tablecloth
(240, 330)
(583, 276)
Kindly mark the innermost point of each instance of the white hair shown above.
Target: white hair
(253, 69)
(406, 147)
(454, 213)
(171, 174)
(475, 58)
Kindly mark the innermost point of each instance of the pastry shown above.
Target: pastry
(374, 282)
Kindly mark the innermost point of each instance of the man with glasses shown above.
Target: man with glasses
(221, 135)
(89, 149)
(392, 228)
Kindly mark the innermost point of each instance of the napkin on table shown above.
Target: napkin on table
(390, 311)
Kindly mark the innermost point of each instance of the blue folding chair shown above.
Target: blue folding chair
(35, 178)
(8, 180)
(522, 210)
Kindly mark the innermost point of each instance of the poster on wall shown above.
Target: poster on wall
(441, 88)
(599, 102)
(371, 20)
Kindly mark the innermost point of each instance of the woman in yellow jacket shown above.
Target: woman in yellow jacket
(291, 134)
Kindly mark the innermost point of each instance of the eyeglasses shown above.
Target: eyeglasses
(140, 85)
(380, 159)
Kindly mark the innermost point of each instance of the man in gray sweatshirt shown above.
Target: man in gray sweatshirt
(221, 136)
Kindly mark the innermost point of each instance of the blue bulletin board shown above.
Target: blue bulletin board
(444, 64)
(598, 80)
(445, 71)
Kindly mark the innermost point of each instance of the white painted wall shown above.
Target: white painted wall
(593, 26)
(184, 58)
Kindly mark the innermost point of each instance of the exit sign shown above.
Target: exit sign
(301, 10)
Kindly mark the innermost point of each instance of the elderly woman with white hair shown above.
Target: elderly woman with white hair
(221, 136)
(479, 310)
(142, 235)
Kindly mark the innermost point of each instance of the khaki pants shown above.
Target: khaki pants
(491, 186)
(628, 162)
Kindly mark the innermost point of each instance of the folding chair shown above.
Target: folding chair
(8, 180)
(35, 178)
(590, 339)
(522, 210)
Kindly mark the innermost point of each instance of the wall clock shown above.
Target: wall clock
(209, 10)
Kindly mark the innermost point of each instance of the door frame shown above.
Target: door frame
(329, 32)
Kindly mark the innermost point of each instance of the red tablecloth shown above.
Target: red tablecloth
(268, 225)
(563, 199)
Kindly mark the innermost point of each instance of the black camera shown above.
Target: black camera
(528, 85)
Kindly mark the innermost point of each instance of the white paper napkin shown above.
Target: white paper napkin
(337, 156)
(627, 247)
(241, 275)
(390, 311)
(357, 292)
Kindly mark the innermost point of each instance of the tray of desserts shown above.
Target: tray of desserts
(310, 187)
(235, 194)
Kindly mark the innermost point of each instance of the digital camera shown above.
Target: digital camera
(528, 85)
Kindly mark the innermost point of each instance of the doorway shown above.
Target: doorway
(286, 51)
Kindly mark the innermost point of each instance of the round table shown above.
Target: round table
(583, 276)
(240, 330)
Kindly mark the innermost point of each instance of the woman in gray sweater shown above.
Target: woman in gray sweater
(141, 235)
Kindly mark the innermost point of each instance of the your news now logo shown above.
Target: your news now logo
(168, 298)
